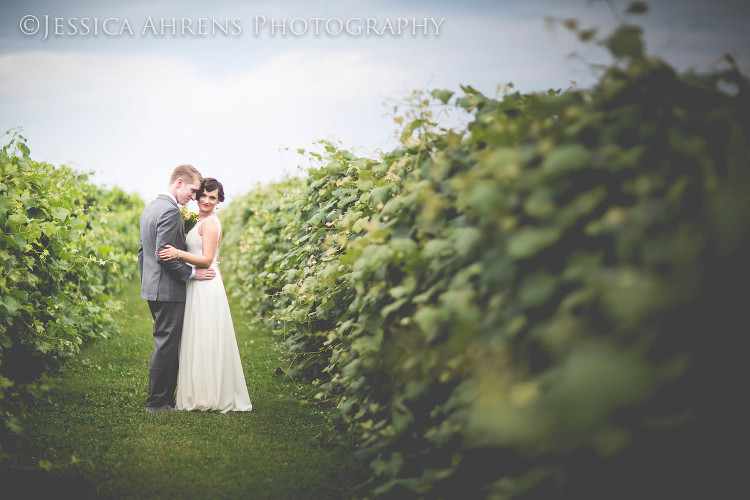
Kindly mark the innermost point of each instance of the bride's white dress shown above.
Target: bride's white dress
(210, 375)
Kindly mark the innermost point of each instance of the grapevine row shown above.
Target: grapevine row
(543, 303)
(65, 248)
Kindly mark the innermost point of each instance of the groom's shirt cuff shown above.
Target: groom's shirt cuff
(192, 272)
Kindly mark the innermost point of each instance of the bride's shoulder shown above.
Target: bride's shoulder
(211, 221)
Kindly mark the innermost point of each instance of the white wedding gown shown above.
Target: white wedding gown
(210, 375)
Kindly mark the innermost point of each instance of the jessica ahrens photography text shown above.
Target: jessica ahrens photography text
(46, 25)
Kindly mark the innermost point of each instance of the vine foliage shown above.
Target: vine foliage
(542, 304)
(66, 246)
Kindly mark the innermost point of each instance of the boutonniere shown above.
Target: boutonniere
(189, 218)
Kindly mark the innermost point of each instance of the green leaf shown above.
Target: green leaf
(395, 306)
(365, 185)
(465, 239)
(586, 35)
(537, 288)
(5, 342)
(19, 240)
(368, 343)
(10, 304)
(4, 204)
(626, 42)
(437, 247)
(380, 194)
(528, 242)
(360, 224)
(13, 424)
(485, 197)
(402, 246)
(390, 467)
(571, 24)
(406, 287)
(637, 8)
(394, 205)
(467, 102)
(60, 213)
(540, 204)
(566, 158)
(442, 95)
(429, 320)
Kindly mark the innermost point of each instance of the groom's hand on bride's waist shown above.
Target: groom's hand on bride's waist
(204, 274)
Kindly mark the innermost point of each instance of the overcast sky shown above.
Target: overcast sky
(132, 97)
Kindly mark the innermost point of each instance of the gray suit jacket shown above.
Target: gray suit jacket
(161, 224)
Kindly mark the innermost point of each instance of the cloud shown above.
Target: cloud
(140, 115)
(132, 109)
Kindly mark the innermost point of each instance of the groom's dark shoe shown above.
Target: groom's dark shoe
(157, 409)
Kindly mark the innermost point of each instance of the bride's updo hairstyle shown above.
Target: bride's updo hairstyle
(210, 184)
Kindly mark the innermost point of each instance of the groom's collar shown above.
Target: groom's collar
(170, 195)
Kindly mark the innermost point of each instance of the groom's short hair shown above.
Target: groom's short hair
(188, 173)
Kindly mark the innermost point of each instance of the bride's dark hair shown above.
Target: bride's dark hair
(210, 184)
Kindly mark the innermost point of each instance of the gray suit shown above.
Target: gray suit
(163, 286)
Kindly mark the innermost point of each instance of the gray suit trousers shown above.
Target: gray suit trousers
(162, 382)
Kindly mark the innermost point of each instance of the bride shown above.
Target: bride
(210, 375)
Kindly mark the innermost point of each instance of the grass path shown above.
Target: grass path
(91, 432)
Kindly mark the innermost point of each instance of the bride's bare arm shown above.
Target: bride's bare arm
(210, 233)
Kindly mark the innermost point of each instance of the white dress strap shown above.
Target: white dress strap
(200, 236)
(212, 216)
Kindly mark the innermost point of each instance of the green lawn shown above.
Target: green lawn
(91, 434)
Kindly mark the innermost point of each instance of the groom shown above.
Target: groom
(163, 281)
